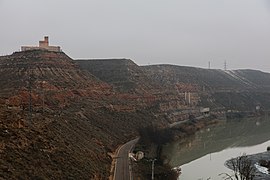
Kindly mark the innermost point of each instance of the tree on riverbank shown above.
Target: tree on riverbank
(152, 138)
(243, 169)
(153, 135)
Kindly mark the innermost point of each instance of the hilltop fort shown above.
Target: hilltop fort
(43, 45)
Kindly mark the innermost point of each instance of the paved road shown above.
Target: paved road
(122, 169)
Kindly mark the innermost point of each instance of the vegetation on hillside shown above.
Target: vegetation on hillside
(57, 120)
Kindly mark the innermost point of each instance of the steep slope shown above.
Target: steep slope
(210, 79)
(123, 74)
(234, 90)
(58, 122)
(258, 78)
(165, 100)
(179, 91)
(131, 81)
(38, 63)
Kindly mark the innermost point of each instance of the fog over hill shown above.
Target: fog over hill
(186, 32)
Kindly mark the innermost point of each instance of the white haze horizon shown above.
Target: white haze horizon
(176, 32)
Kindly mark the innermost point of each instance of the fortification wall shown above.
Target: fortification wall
(43, 45)
(28, 48)
(54, 48)
(49, 48)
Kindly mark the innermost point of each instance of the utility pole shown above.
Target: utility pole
(225, 65)
(209, 64)
(153, 168)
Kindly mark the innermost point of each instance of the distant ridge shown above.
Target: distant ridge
(209, 87)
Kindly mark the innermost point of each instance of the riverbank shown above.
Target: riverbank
(212, 146)
(256, 162)
(153, 149)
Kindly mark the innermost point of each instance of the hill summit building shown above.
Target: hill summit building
(43, 45)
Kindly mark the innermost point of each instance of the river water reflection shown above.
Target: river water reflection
(203, 155)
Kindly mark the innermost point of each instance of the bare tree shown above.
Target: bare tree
(242, 167)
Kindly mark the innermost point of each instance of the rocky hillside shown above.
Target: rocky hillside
(163, 101)
(210, 79)
(234, 90)
(61, 119)
(55, 67)
(258, 79)
(59, 122)
(123, 74)
(181, 90)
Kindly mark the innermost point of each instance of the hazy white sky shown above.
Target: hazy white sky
(182, 32)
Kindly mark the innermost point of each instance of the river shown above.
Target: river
(203, 155)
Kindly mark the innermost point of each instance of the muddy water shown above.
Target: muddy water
(203, 155)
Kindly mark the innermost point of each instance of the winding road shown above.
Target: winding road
(122, 169)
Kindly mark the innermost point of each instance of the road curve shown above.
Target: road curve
(122, 169)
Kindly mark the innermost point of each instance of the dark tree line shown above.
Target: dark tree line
(153, 134)
(158, 136)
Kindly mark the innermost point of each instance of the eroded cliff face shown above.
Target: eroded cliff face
(178, 91)
(123, 74)
(45, 73)
(57, 121)
(238, 90)
(166, 97)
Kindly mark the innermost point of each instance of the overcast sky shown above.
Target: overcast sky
(182, 32)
